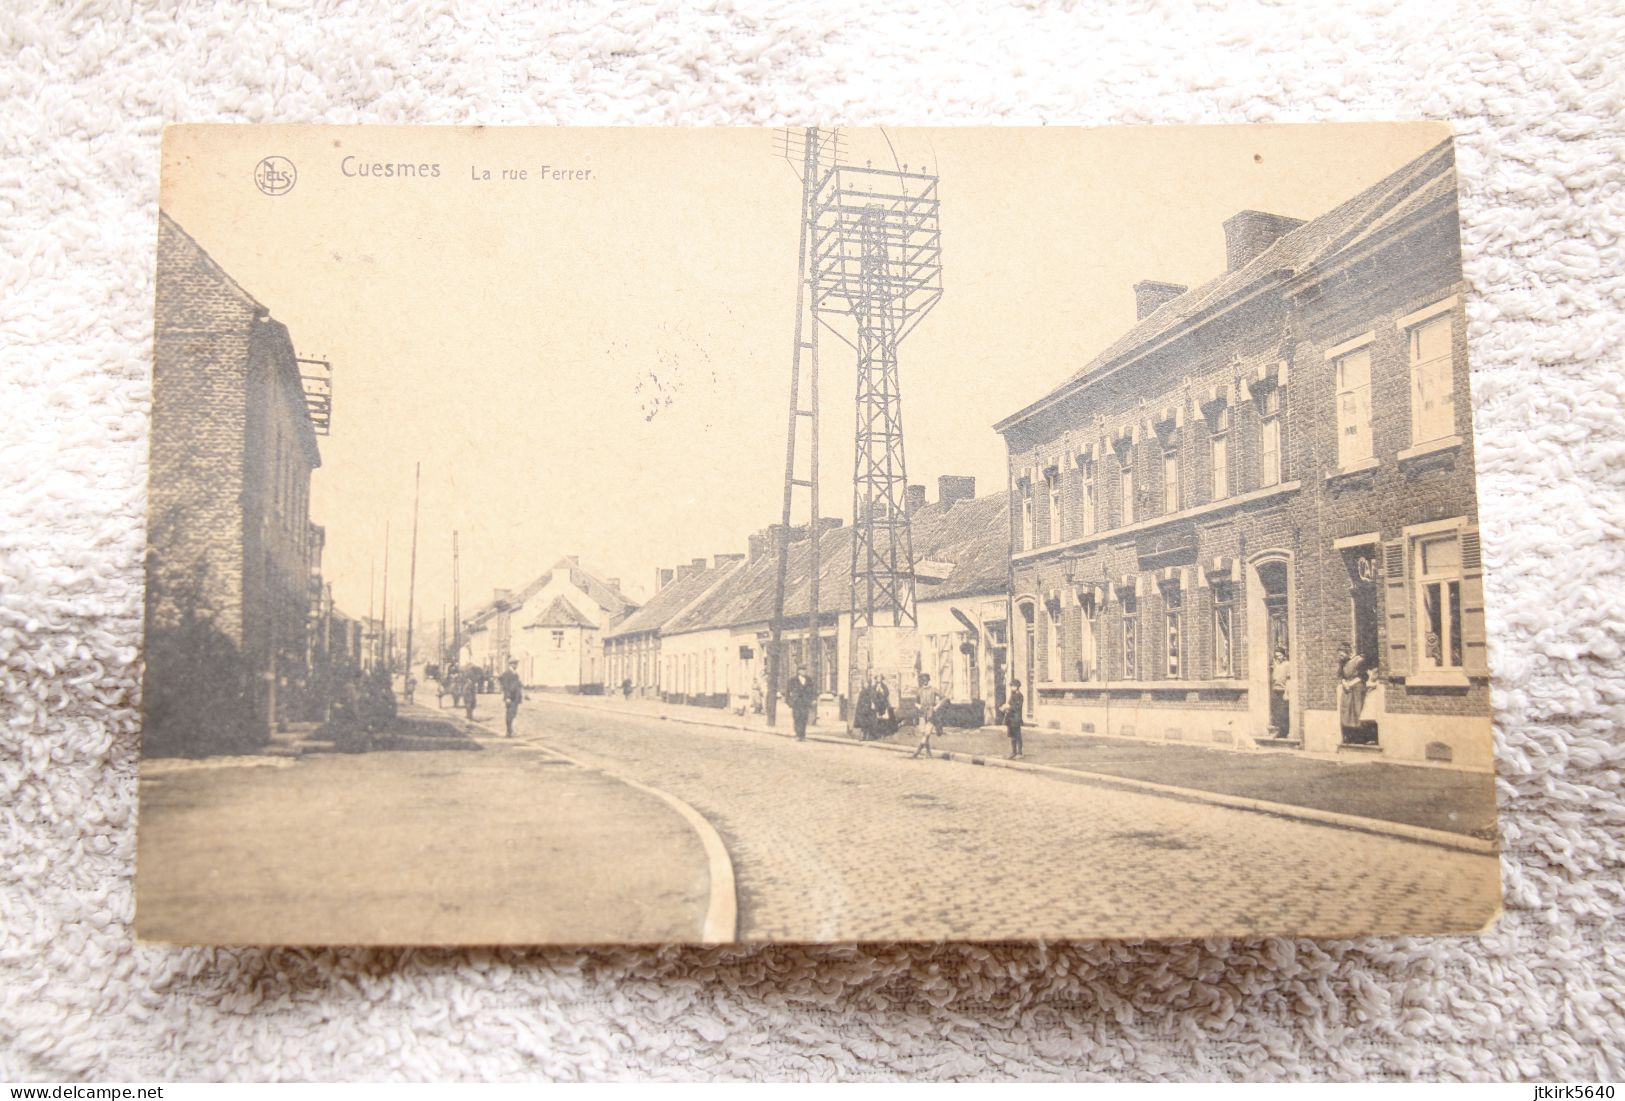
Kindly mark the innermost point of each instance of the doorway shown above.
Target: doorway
(1273, 714)
(1029, 642)
(1364, 615)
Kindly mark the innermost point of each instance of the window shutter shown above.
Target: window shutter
(1397, 605)
(1474, 650)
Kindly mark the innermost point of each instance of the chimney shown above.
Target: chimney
(913, 499)
(722, 560)
(662, 579)
(758, 545)
(953, 488)
(698, 564)
(1249, 233)
(1149, 294)
(688, 570)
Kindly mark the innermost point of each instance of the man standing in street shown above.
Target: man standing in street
(513, 693)
(799, 695)
(469, 689)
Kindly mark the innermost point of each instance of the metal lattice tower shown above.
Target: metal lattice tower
(878, 258)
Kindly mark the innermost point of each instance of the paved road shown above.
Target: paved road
(851, 843)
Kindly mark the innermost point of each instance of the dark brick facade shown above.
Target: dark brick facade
(1302, 549)
(229, 537)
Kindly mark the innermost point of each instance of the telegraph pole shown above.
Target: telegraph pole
(384, 654)
(412, 572)
(813, 145)
(456, 606)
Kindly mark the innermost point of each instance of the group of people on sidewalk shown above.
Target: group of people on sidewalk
(875, 718)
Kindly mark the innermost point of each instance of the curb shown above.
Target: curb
(721, 923)
(1378, 826)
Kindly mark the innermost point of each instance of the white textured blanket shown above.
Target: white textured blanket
(1538, 100)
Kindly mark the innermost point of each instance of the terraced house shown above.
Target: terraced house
(714, 652)
(1280, 462)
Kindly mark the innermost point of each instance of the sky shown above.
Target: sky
(599, 365)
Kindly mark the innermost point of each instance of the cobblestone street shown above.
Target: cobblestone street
(844, 842)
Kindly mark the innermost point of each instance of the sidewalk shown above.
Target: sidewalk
(1368, 794)
(436, 845)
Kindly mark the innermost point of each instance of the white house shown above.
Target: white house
(553, 628)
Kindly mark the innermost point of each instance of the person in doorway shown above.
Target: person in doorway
(799, 695)
(1351, 688)
(513, 693)
(1281, 694)
(1012, 718)
(929, 700)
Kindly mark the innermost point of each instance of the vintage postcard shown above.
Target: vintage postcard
(696, 536)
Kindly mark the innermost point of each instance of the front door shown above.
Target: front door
(1270, 646)
(1029, 642)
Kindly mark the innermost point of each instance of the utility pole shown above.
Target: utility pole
(412, 571)
(372, 644)
(456, 606)
(385, 654)
(812, 146)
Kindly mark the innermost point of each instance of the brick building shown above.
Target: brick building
(1280, 458)
(230, 543)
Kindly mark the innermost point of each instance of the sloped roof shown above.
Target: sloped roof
(606, 596)
(561, 613)
(973, 535)
(672, 598)
(1407, 191)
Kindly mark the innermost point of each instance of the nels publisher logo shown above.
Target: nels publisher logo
(275, 175)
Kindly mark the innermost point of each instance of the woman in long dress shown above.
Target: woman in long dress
(1351, 697)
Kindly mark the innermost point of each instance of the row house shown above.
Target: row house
(1279, 462)
(553, 628)
(714, 653)
(632, 649)
(231, 549)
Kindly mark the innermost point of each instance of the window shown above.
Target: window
(1088, 636)
(1224, 629)
(1128, 486)
(1219, 452)
(1129, 605)
(1433, 409)
(1055, 528)
(558, 640)
(1052, 667)
(1173, 610)
(1170, 480)
(1269, 440)
(1438, 597)
(1088, 469)
(1026, 515)
(1353, 408)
